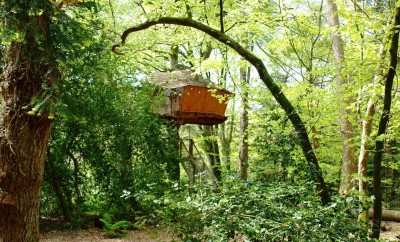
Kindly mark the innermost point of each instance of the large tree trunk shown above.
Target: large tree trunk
(379, 144)
(349, 166)
(244, 124)
(23, 138)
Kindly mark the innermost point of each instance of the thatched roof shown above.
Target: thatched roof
(175, 79)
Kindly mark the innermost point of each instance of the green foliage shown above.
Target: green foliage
(106, 142)
(261, 212)
(117, 229)
(110, 154)
(121, 151)
(275, 145)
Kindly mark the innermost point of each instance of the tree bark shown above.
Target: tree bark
(190, 166)
(23, 137)
(225, 146)
(275, 90)
(349, 167)
(366, 132)
(204, 164)
(173, 166)
(363, 157)
(77, 182)
(191, 158)
(314, 138)
(244, 124)
(57, 188)
(379, 144)
(212, 150)
(225, 132)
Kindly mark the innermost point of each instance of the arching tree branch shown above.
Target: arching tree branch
(264, 76)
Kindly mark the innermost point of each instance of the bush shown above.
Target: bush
(261, 212)
(117, 229)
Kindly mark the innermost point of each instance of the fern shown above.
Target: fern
(115, 230)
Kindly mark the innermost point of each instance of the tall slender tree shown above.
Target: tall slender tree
(243, 163)
(384, 120)
(349, 166)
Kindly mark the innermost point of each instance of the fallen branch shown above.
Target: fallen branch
(387, 215)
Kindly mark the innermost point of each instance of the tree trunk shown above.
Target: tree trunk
(24, 137)
(191, 158)
(349, 167)
(363, 157)
(190, 166)
(366, 133)
(314, 138)
(394, 152)
(173, 166)
(244, 124)
(77, 181)
(225, 146)
(212, 150)
(57, 188)
(225, 132)
(379, 144)
(394, 187)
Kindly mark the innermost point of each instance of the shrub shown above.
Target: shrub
(117, 229)
(261, 212)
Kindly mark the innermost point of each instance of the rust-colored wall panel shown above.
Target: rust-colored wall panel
(196, 105)
(201, 100)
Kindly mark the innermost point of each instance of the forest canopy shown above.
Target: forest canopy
(307, 148)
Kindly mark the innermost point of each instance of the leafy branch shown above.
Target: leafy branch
(274, 88)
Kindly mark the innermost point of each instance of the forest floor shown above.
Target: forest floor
(149, 234)
(392, 233)
(158, 234)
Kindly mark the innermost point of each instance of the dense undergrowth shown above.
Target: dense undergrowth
(255, 211)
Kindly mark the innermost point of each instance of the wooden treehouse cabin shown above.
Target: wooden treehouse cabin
(187, 98)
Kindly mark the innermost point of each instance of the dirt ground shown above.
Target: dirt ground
(96, 235)
(393, 232)
(160, 235)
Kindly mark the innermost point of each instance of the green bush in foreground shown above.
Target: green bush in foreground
(260, 212)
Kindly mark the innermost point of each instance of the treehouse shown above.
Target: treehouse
(187, 98)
